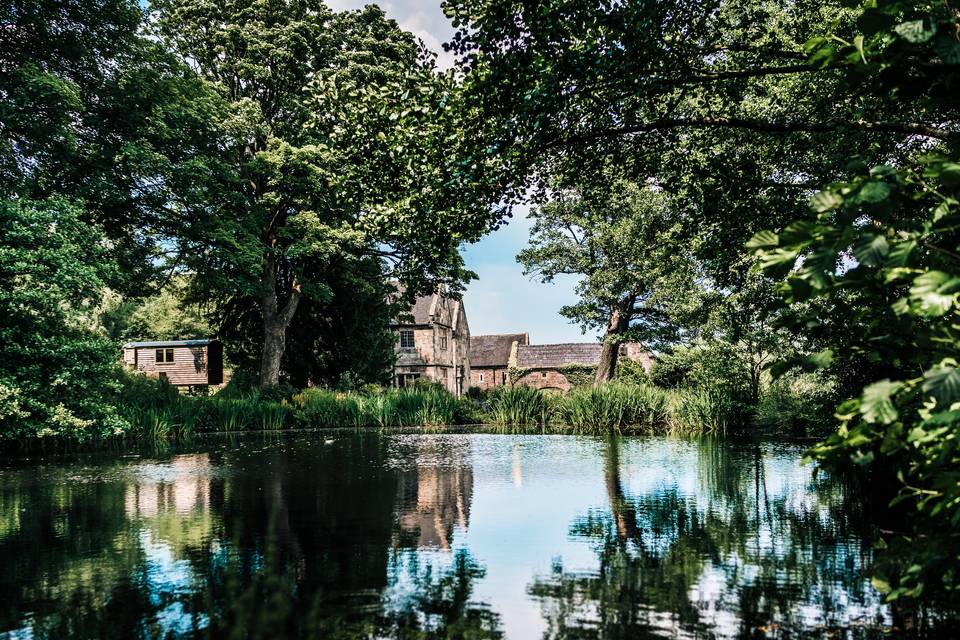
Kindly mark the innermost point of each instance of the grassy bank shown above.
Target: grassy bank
(613, 407)
(158, 411)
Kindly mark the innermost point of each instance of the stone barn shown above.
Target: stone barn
(556, 367)
(490, 359)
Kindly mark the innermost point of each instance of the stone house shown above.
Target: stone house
(433, 342)
(557, 367)
(490, 359)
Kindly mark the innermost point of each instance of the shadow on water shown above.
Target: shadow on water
(373, 535)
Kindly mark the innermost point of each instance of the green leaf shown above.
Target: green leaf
(779, 262)
(934, 293)
(943, 383)
(875, 192)
(880, 585)
(871, 249)
(899, 254)
(950, 175)
(825, 201)
(763, 240)
(796, 231)
(876, 404)
(916, 31)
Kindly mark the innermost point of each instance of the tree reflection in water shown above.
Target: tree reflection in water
(725, 560)
(367, 537)
(291, 542)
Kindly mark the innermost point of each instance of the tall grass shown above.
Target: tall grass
(519, 407)
(700, 411)
(424, 406)
(612, 407)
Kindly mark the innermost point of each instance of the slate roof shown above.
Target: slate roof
(494, 350)
(169, 343)
(420, 311)
(550, 356)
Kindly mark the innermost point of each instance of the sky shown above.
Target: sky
(502, 300)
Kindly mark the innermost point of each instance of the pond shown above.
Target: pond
(468, 535)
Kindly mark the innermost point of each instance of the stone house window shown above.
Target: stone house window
(543, 375)
(443, 343)
(406, 339)
(504, 378)
(481, 377)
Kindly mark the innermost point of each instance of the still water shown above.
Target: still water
(435, 536)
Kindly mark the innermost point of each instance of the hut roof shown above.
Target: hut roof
(494, 350)
(169, 343)
(549, 356)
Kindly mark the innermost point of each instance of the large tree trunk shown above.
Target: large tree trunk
(275, 323)
(607, 366)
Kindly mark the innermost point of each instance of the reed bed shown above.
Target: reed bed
(159, 413)
(612, 407)
(518, 407)
(426, 406)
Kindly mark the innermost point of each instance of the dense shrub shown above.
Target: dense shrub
(58, 375)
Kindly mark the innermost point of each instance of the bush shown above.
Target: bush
(799, 405)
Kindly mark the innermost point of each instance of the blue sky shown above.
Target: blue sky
(503, 300)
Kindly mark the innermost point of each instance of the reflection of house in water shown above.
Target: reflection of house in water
(179, 486)
(434, 499)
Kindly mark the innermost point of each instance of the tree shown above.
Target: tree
(55, 371)
(341, 339)
(340, 147)
(623, 245)
(93, 110)
(888, 233)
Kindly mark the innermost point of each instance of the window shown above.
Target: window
(169, 355)
(443, 343)
(407, 379)
(159, 355)
(504, 378)
(406, 339)
(543, 375)
(481, 377)
(164, 355)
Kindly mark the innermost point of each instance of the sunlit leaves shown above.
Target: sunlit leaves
(877, 404)
(934, 293)
(943, 383)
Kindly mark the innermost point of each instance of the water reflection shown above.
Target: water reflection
(735, 558)
(436, 536)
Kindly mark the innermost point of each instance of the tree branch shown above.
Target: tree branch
(906, 128)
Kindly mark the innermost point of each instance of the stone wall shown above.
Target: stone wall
(492, 377)
(545, 379)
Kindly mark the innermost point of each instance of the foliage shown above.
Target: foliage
(888, 233)
(518, 406)
(622, 242)
(799, 404)
(342, 340)
(167, 315)
(705, 365)
(340, 147)
(56, 372)
(632, 372)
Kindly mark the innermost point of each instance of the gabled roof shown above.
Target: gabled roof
(169, 343)
(534, 356)
(494, 350)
